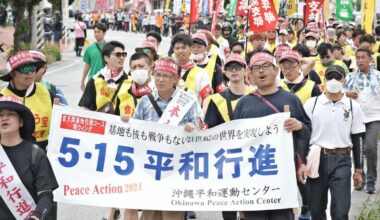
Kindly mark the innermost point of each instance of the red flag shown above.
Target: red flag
(262, 16)
(311, 10)
(215, 15)
(241, 7)
(194, 12)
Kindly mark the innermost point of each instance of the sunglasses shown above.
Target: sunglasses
(144, 51)
(234, 66)
(334, 75)
(120, 54)
(26, 69)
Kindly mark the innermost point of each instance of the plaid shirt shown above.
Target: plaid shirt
(145, 110)
(360, 81)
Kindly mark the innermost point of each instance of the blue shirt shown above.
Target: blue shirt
(145, 110)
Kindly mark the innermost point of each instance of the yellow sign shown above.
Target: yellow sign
(292, 7)
(368, 13)
(167, 5)
(275, 2)
(326, 10)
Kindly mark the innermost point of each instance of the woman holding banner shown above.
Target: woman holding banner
(26, 176)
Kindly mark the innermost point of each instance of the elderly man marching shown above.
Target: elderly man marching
(156, 106)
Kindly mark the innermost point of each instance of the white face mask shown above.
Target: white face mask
(334, 86)
(197, 56)
(311, 44)
(140, 76)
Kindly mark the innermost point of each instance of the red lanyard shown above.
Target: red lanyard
(266, 101)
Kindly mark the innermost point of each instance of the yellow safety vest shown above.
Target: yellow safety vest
(214, 49)
(40, 104)
(221, 103)
(271, 47)
(220, 40)
(376, 48)
(104, 95)
(211, 66)
(320, 69)
(304, 93)
(191, 78)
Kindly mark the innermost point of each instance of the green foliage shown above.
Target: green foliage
(23, 46)
(371, 212)
(52, 53)
(23, 27)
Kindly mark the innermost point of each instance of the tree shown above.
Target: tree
(57, 4)
(22, 27)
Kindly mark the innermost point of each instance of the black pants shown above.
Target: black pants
(230, 215)
(279, 214)
(79, 43)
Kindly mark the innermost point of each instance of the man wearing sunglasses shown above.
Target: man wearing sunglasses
(269, 99)
(112, 85)
(337, 126)
(326, 59)
(21, 75)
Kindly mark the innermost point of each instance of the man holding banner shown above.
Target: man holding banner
(162, 107)
(267, 100)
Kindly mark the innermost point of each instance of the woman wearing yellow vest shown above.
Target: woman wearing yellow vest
(21, 75)
(294, 81)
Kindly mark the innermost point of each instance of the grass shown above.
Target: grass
(371, 212)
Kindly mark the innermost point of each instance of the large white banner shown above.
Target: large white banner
(241, 165)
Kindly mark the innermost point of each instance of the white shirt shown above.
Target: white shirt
(333, 123)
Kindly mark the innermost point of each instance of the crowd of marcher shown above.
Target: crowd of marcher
(331, 84)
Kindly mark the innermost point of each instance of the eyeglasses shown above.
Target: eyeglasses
(26, 69)
(334, 75)
(233, 66)
(288, 68)
(120, 54)
(162, 76)
(265, 67)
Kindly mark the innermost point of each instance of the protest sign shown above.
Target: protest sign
(241, 165)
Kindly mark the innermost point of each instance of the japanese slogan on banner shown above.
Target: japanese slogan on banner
(12, 190)
(312, 9)
(241, 7)
(368, 12)
(241, 165)
(344, 10)
(262, 15)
